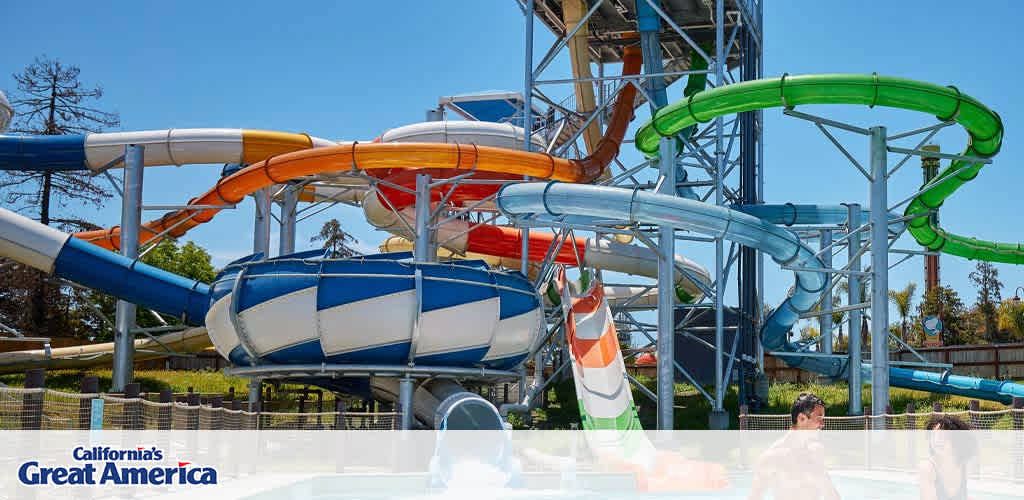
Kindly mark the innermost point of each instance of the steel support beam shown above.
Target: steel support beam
(261, 223)
(825, 320)
(405, 392)
(719, 418)
(524, 250)
(879, 277)
(666, 299)
(131, 220)
(853, 296)
(423, 245)
(289, 202)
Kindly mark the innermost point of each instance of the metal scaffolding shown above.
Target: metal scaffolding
(719, 162)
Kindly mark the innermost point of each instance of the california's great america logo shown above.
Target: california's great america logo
(103, 466)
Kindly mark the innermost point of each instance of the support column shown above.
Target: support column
(719, 418)
(879, 277)
(649, 24)
(825, 320)
(255, 392)
(423, 244)
(853, 296)
(131, 219)
(405, 392)
(750, 309)
(289, 202)
(261, 223)
(930, 168)
(666, 299)
(524, 250)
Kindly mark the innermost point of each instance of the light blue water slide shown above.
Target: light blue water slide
(609, 203)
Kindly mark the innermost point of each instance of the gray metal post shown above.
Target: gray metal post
(261, 223)
(853, 296)
(666, 292)
(825, 320)
(131, 219)
(879, 277)
(405, 391)
(524, 250)
(255, 393)
(289, 201)
(718, 419)
(423, 244)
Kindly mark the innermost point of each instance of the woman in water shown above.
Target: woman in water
(944, 474)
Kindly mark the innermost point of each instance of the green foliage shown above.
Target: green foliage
(1011, 319)
(985, 278)
(903, 300)
(336, 240)
(188, 260)
(944, 302)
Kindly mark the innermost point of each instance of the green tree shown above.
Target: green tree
(1011, 319)
(188, 260)
(944, 302)
(985, 278)
(903, 300)
(336, 240)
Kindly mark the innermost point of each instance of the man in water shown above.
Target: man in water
(794, 466)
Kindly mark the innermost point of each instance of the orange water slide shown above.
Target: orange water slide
(376, 156)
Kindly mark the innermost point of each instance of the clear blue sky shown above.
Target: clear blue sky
(350, 70)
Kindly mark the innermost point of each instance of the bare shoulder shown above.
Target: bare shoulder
(926, 470)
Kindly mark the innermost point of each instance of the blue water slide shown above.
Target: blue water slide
(42, 152)
(609, 203)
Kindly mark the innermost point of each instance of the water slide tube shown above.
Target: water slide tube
(310, 312)
(605, 399)
(163, 147)
(983, 126)
(949, 104)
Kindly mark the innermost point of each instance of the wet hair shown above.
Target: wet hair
(805, 404)
(947, 423)
(964, 445)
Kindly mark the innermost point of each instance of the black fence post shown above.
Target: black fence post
(217, 412)
(132, 409)
(90, 385)
(32, 403)
(193, 404)
(975, 419)
(164, 419)
(236, 418)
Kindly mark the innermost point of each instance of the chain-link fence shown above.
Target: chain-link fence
(45, 409)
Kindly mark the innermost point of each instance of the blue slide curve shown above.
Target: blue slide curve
(609, 203)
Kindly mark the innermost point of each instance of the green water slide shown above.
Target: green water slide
(983, 126)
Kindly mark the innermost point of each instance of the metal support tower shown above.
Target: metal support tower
(423, 245)
(261, 223)
(879, 276)
(524, 249)
(131, 221)
(853, 296)
(675, 45)
(825, 320)
(719, 418)
(666, 294)
(289, 202)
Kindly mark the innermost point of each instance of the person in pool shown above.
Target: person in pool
(794, 466)
(944, 474)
